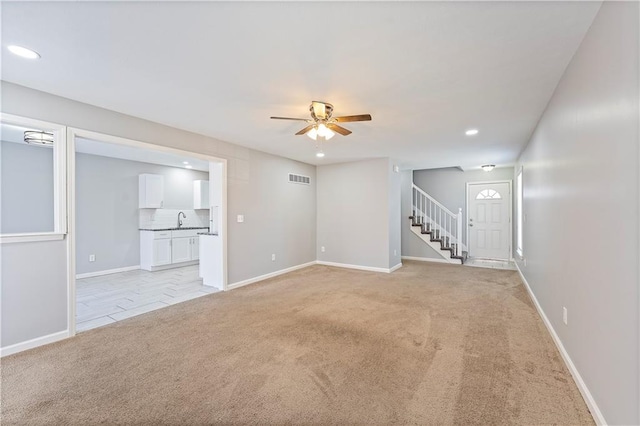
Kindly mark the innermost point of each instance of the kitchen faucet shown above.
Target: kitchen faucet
(180, 220)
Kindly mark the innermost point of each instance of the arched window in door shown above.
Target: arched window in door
(488, 194)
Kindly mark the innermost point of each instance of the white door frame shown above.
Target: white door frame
(466, 201)
(72, 134)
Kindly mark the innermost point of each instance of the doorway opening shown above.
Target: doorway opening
(489, 224)
(147, 228)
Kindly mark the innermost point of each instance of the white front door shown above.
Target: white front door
(489, 222)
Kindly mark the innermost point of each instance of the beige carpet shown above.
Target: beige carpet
(428, 344)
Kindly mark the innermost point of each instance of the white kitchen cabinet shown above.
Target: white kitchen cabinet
(161, 252)
(150, 191)
(155, 249)
(195, 248)
(200, 194)
(161, 249)
(180, 249)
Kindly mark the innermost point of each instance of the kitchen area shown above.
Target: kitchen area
(147, 231)
(170, 240)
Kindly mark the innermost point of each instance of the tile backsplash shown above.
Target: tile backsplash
(168, 218)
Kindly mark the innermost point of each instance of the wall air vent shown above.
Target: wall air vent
(303, 180)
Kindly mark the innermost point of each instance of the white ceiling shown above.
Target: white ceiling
(426, 71)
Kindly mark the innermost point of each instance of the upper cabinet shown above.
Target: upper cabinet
(201, 194)
(151, 191)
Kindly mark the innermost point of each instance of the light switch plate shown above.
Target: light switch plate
(240, 218)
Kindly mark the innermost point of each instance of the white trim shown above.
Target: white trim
(34, 343)
(71, 228)
(107, 272)
(586, 395)
(426, 259)
(269, 275)
(466, 202)
(30, 238)
(519, 213)
(395, 268)
(358, 267)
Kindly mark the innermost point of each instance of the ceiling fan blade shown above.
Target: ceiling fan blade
(319, 109)
(348, 118)
(305, 130)
(339, 129)
(289, 118)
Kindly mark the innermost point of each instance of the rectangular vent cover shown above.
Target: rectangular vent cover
(303, 180)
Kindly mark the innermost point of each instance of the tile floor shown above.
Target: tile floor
(486, 263)
(109, 298)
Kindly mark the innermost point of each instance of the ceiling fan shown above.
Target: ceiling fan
(322, 124)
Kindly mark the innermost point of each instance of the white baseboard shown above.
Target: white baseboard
(393, 268)
(34, 343)
(269, 275)
(586, 395)
(107, 272)
(359, 267)
(425, 259)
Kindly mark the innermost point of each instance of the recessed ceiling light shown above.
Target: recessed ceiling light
(471, 132)
(185, 162)
(488, 167)
(23, 52)
(320, 154)
(188, 167)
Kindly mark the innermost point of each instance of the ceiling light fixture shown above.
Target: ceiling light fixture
(319, 154)
(471, 132)
(185, 162)
(321, 131)
(23, 52)
(488, 167)
(313, 133)
(38, 137)
(188, 167)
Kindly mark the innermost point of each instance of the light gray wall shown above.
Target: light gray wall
(34, 290)
(279, 217)
(353, 213)
(107, 208)
(448, 186)
(581, 205)
(26, 188)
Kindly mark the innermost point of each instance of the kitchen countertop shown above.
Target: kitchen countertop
(208, 233)
(173, 229)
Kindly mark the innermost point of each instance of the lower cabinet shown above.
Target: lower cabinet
(161, 252)
(195, 248)
(162, 248)
(180, 250)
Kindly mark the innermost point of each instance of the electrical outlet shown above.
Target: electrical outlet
(273, 257)
(395, 252)
(564, 315)
(322, 249)
(92, 258)
(240, 218)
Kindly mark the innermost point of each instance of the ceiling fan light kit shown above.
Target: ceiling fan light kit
(322, 124)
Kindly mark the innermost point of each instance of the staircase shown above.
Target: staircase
(437, 226)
